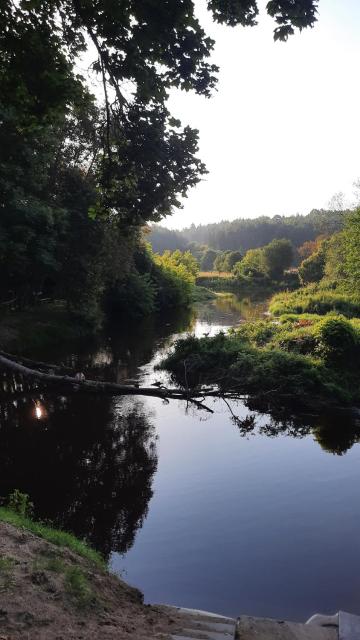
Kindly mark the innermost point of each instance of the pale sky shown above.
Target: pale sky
(282, 133)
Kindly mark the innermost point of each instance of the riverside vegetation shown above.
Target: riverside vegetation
(306, 351)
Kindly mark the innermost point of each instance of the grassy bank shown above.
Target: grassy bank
(202, 294)
(316, 299)
(297, 359)
(242, 286)
(55, 536)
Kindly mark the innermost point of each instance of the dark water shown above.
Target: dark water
(235, 511)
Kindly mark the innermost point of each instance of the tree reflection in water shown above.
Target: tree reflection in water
(336, 431)
(87, 464)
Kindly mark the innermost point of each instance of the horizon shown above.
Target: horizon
(280, 135)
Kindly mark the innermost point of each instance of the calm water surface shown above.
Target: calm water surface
(236, 515)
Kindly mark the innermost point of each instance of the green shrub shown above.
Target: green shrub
(258, 333)
(174, 288)
(312, 269)
(336, 338)
(202, 294)
(134, 296)
(299, 340)
(78, 588)
(20, 503)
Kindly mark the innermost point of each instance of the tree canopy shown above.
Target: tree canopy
(141, 48)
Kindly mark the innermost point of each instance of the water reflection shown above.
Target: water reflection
(87, 465)
(228, 310)
(335, 432)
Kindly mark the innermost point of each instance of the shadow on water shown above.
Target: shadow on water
(87, 463)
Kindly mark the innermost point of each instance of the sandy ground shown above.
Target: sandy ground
(42, 597)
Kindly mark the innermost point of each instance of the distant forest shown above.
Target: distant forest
(247, 233)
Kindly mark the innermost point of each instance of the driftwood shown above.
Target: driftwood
(72, 383)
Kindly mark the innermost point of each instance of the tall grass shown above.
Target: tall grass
(314, 299)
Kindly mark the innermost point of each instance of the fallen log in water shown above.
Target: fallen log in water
(72, 383)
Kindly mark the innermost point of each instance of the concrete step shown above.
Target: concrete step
(249, 628)
(349, 626)
(194, 624)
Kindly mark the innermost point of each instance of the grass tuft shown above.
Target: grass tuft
(78, 589)
(6, 573)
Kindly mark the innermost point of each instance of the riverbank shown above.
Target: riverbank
(243, 286)
(48, 592)
(302, 359)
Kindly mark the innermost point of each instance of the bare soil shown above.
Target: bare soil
(49, 593)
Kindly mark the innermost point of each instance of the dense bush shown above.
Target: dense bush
(173, 287)
(336, 339)
(236, 365)
(134, 296)
(153, 283)
(252, 266)
(207, 261)
(312, 269)
(268, 262)
(279, 255)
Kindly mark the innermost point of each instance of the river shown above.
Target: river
(233, 511)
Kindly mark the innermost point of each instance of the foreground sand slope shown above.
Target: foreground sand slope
(48, 593)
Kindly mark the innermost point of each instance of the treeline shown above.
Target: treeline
(247, 233)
